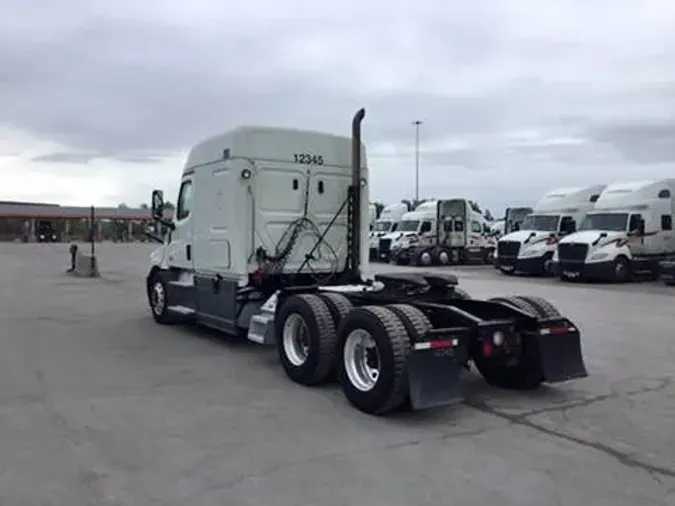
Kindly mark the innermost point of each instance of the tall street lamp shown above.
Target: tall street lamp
(417, 124)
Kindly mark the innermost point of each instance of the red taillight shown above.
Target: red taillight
(551, 241)
(487, 348)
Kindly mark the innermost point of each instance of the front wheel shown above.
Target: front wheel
(158, 298)
(621, 272)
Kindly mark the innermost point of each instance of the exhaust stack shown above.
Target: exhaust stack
(355, 225)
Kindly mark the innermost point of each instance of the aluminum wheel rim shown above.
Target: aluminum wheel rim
(620, 270)
(443, 258)
(296, 339)
(158, 298)
(425, 258)
(361, 360)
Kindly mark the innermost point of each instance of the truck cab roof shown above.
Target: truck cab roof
(273, 144)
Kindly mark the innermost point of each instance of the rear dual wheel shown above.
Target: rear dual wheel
(368, 351)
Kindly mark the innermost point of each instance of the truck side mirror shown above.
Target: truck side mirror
(157, 204)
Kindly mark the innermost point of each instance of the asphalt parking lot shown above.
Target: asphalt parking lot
(99, 405)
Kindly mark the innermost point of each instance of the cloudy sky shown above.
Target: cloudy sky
(100, 100)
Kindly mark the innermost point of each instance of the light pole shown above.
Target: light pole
(417, 124)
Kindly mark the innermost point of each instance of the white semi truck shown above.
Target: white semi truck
(387, 223)
(270, 241)
(530, 250)
(415, 226)
(460, 236)
(627, 233)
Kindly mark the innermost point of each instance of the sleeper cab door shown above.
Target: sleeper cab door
(180, 248)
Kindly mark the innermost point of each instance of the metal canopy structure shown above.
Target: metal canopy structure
(30, 210)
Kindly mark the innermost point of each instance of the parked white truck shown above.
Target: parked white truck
(627, 233)
(530, 250)
(270, 241)
(387, 223)
(460, 236)
(415, 226)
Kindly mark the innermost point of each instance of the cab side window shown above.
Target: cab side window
(633, 224)
(475, 227)
(184, 201)
(666, 222)
(426, 227)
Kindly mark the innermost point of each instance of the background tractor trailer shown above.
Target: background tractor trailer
(530, 250)
(415, 226)
(257, 204)
(460, 237)
(627, 233)
(387, 223)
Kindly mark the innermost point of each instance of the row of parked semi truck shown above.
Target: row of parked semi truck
(611, 232)
(439, 232)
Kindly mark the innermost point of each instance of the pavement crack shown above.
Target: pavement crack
(664, 383)
(623, 458)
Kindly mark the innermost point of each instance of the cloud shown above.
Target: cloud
(516, 96)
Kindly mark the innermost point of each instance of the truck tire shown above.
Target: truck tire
(373, 350)
(157, 288)
(306, 339)
(544, 308)
(527, 374)
(461, 293)
(416, 324)
(338, 305)
(621, 272)
(425, 258)
(443, 257)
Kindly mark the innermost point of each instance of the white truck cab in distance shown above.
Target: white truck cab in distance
(461, 236)
(387, 223)
(530, 250)
(415, 226)
(627, 233)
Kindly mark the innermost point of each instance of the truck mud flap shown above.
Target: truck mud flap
(434, 378)
(560, 351)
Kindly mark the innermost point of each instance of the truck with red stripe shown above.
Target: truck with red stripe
(461, 236)
(627, 233)
(269, 242)
(530, 249)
